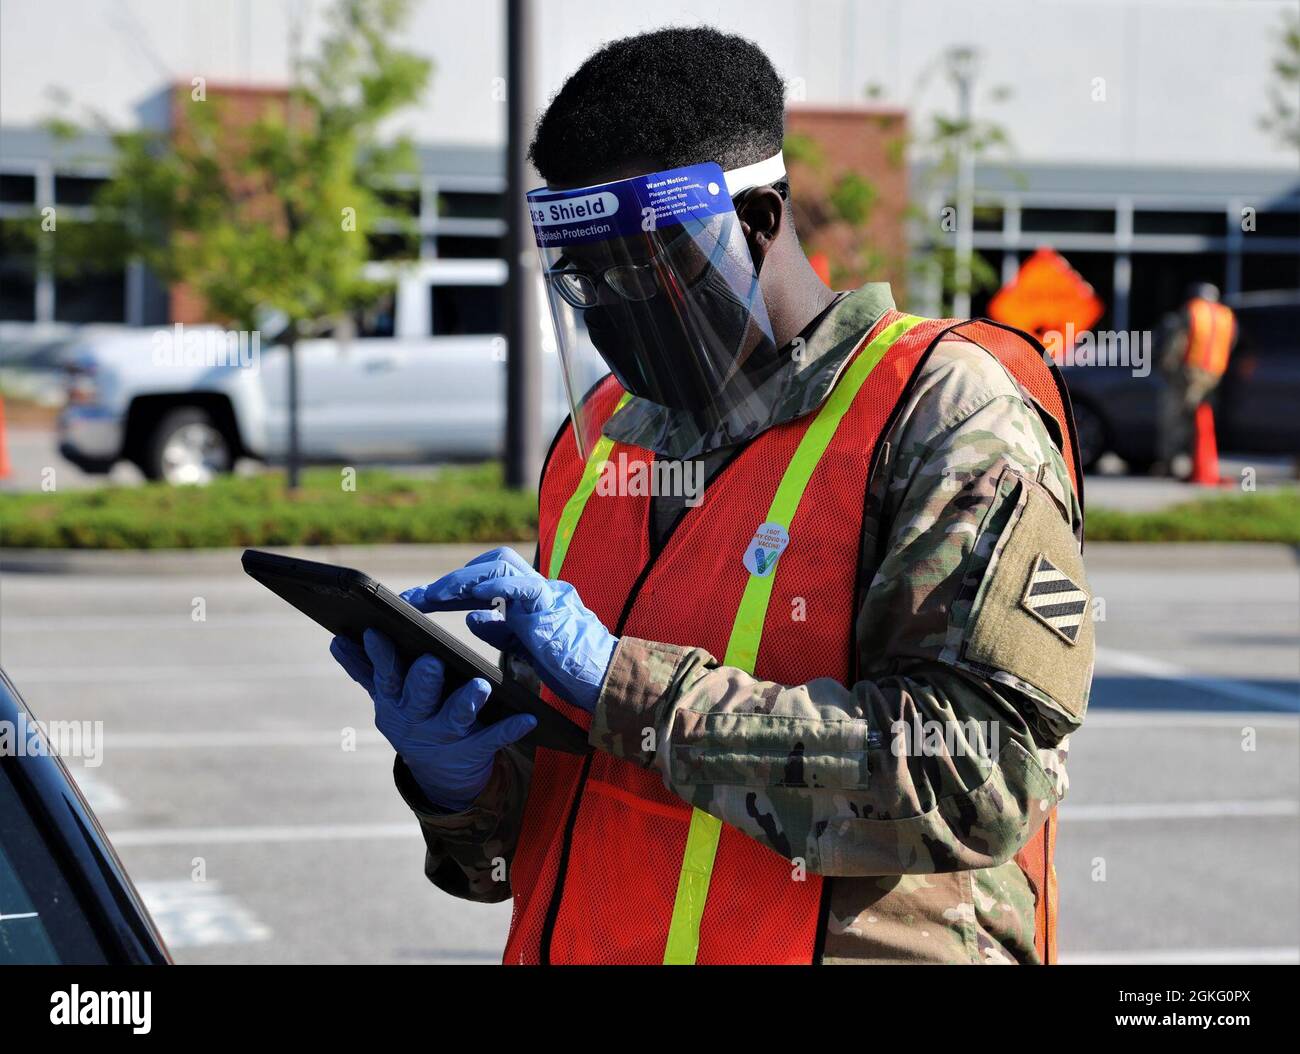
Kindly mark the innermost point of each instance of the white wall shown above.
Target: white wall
(1185, 79)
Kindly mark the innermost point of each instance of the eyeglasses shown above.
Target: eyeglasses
(642, 281)
(632, 281)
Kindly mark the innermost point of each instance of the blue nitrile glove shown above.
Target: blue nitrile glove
(448, 752)
(544, 619)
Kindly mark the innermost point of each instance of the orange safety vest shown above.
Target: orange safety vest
(1210, 331)
(598, 870)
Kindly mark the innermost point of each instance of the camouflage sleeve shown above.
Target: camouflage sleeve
(949, 753)
(468, 854)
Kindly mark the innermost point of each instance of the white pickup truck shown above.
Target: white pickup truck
(431, 387)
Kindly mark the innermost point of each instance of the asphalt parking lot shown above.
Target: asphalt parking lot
(225, 760)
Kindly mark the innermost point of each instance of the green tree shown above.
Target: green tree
(828, 200)
(1283, 117)
(935, 256)
(270, 218)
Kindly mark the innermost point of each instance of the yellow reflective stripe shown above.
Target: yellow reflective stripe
(705, 830)
(568, 522)
(747, 630)
(692, 889)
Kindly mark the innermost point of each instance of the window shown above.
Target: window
(1270, 270)
(391, 246)
(463, 205)
(467, 310)
(1161, 280)
(1068, 221)
(988, 218)
(17, 270)
(17, 293)
(401, 200)
(378, 319)
(16, 189)
(459, 247)
(76, 190)
(91, 296)
(1207, 224)
(1277, 225)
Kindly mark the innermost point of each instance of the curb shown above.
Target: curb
(370, 558)
(1198, 556)
(1108, 556)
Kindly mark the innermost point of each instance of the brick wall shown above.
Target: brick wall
(237, 107)
(870, 143)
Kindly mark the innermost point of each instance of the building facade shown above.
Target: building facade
(1143, 161)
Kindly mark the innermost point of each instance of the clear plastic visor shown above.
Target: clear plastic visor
(670, 307)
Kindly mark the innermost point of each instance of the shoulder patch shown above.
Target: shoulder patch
(1055, 599)
(1031, 620)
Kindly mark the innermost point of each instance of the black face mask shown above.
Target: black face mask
(653, 346)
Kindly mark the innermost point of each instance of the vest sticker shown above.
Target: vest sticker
(768, 543)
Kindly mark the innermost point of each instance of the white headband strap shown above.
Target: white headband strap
(759, 174)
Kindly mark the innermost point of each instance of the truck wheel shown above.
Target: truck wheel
(187, 446)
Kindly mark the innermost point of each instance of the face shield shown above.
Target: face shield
(651, 279)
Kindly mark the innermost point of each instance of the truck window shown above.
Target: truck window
(467, 310)
(377, 320)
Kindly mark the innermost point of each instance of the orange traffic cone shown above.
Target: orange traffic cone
(1205, 459)
(5, 467)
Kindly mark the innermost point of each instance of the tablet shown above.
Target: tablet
(348, 602)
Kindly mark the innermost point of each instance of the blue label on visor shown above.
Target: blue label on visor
(628, 206)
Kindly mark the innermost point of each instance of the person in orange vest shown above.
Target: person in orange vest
(809, 574)
(1195, 346)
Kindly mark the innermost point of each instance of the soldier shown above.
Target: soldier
(829, 702)
(1195, 345)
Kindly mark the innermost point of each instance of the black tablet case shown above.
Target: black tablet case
(347, 602)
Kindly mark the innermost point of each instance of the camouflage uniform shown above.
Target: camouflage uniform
(922, 857)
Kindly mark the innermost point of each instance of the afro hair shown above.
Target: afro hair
(671, 97)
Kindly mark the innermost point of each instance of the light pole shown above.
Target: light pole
(523, 337)
(962, 64)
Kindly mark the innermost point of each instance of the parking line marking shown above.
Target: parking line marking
(178, 674)
(179, 620)
(240, 739)
(344, 832)
(192, 914)
(329, 737)
(369, 737)
(100, 795)
(327, 832)
(1162, 719)
(1158, 669)
(1186, 810)
(1185, 957)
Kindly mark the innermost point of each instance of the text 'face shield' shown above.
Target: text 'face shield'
(651, 279)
